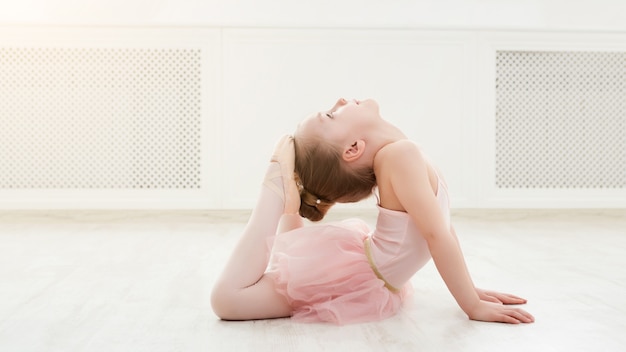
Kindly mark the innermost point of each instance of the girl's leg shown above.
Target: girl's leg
(243, 291)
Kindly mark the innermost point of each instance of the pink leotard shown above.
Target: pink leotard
(397, 249)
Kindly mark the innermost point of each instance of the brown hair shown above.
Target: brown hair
(326, 179)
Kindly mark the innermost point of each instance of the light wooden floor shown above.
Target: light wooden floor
(140, 281)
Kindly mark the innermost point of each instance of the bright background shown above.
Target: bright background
(267, 65)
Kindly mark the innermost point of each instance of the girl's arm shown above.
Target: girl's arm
(408, 177)
(289, 222)
(491, 296)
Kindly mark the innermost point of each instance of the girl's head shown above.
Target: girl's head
(330, 166)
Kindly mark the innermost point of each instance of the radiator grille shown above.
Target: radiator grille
(118, 118)
(560, 119)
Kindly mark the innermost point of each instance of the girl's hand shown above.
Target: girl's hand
(499, 298)
(497, 312)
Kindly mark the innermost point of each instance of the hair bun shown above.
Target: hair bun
(311, 213)
(312, 207)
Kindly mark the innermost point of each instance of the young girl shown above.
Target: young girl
(342, 272)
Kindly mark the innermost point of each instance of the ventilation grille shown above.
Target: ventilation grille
(561, 120)
(100, 118)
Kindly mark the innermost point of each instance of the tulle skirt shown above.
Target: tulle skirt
(325, 275)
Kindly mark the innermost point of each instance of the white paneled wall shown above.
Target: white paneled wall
(257, 84)
(607, 194)
(108, 117)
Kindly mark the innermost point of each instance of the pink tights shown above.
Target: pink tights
(243, 290)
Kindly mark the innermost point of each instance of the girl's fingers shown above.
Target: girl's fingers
(521, 316)
(492, 299)
(508, 319)
(510, 299)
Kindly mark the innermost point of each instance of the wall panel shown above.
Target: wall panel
(107, 117)
(578, 108)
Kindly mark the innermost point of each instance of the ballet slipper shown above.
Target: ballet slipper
(285, 155)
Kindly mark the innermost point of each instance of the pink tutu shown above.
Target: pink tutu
(324, 273)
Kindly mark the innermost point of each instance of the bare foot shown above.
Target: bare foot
(285, 155)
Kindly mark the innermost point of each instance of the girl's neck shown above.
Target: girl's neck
(385, 133)
(382, 134)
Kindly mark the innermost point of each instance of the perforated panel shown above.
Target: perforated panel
(561, 120)
(100, 118)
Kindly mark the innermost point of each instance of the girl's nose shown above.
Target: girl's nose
(339, 103)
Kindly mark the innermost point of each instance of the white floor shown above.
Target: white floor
(140, 281)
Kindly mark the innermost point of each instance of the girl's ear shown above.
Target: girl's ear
(354, 151)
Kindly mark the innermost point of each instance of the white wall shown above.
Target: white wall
(468, 14)
(429, 63)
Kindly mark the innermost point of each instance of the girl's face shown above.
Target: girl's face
(346, 120)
